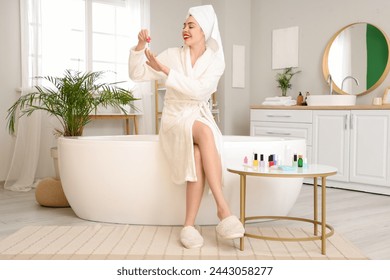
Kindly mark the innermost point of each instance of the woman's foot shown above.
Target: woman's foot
(230, 228)
(191, 238)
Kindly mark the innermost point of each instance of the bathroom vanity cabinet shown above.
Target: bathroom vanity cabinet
(355, 140)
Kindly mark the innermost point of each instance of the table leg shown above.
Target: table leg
(135, 125)
(315, 205)
(323, 219)
(127, 126)
(242, 206)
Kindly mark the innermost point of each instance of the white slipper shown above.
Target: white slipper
(191, 238)
(230, 228)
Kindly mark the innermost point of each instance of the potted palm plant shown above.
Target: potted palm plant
(284, 79)
(71, 99)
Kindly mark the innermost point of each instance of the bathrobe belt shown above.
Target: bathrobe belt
(203, 105)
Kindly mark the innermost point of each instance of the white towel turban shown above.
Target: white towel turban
(208, 21)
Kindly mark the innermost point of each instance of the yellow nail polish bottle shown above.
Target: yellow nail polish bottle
(255, 161)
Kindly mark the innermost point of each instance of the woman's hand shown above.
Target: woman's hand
(154, 63)
(143, 38)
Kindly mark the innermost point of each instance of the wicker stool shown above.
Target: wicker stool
(49, 193)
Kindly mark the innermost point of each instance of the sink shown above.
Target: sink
(331, 100)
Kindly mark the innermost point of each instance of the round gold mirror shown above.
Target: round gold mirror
(357, 59)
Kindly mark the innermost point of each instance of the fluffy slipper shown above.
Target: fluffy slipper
(191, 238)
(230, 228)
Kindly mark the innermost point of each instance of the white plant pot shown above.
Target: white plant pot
(54, 155)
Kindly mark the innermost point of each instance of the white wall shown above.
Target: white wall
(236, 29)
(167, 19)
(9, 75)
(166, 22)
(242, 22)
(317, 21)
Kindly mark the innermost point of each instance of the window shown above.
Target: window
(83, 35)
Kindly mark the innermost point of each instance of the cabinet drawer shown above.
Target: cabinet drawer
(296, 116)
(296, 130)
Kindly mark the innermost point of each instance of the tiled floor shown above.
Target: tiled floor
(120, 242)
(363, 219)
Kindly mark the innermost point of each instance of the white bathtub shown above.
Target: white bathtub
(125, 179)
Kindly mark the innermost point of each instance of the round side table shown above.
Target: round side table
(314, 171)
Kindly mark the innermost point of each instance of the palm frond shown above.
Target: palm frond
(71, 99)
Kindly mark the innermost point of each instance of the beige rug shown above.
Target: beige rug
(120, 242)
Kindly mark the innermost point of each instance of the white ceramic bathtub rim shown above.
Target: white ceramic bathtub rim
(125, 179)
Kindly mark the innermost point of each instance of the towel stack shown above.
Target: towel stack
(280, 101)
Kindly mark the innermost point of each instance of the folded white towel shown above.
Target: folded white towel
(279, 103)
(278, 98)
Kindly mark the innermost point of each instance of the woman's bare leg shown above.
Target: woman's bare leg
(204, 139)
(189, 236)
(194, 191)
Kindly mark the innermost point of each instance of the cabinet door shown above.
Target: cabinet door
(331, 141)
(370, 147)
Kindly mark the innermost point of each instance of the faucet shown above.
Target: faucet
(349, 77)
(330, 82)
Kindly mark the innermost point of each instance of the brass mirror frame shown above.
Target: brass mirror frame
(325, 66)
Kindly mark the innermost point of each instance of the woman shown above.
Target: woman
(189, 135)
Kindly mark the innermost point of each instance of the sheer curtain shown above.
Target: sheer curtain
(143, 90)
(26, 152)
(41, 44)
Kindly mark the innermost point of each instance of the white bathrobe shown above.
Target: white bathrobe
(188, 90)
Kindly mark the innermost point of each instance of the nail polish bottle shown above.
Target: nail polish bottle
(262, 163)
(148, 41)
(287, 158)
(271, 160)
(255, 161)
(295, 160)
(245, 160)
(300, 161)
(304, 162)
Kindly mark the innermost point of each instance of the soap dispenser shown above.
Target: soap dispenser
(300, 99)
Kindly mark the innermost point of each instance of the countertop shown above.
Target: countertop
(355, 107)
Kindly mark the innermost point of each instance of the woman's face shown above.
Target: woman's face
(192, 33)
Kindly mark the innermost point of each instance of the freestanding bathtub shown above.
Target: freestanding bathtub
(125, 179)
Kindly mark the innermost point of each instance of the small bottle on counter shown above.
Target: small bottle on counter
(304, 101)
(300, 99)
(307, 94)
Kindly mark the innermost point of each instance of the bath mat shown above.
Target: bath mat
(118, 242)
